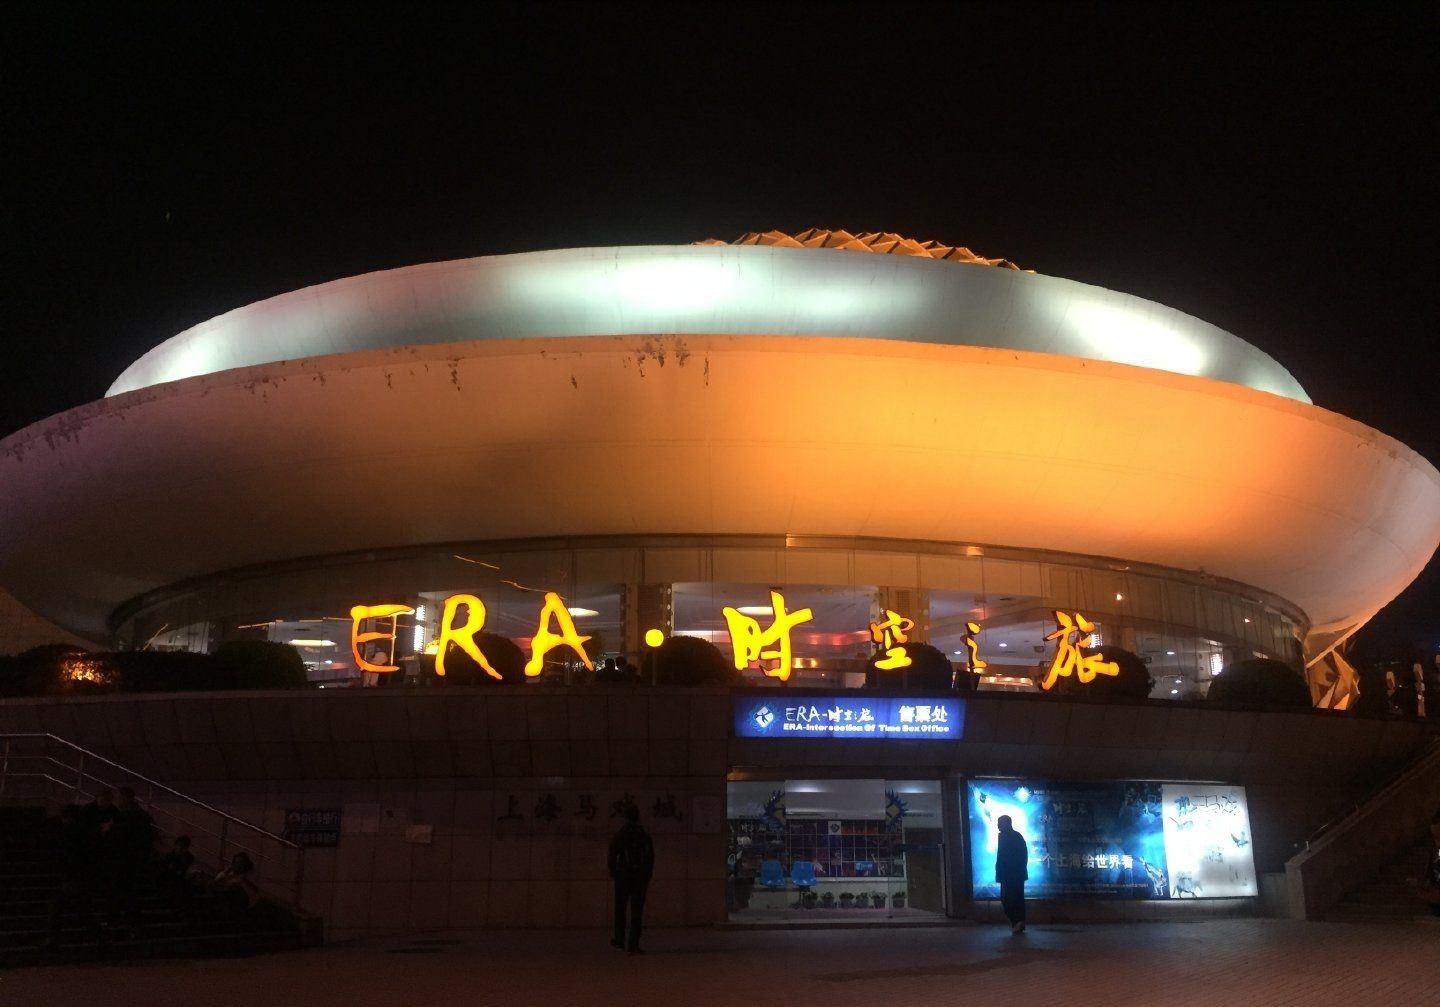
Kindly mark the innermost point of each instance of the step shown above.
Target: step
(93, 933)
(236, 945)
(1400, 893)
(1354, 914)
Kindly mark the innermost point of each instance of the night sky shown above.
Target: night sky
(1267, 169)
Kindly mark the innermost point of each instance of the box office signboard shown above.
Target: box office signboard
(1127, 839)
(313, 826)
(875, 717)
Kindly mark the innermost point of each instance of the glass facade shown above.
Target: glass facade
(1185, 627)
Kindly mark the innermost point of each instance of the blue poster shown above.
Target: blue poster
(1085, 839)
(780, 716)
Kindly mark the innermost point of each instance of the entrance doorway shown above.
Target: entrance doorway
(838, 850)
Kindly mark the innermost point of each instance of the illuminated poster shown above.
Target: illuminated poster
(848, 717)
(1131, 840)
(1207, 842)
(1085, 839)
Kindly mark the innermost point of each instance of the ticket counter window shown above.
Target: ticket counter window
(834, 849)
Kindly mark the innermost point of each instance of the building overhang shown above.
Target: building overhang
(492, 440)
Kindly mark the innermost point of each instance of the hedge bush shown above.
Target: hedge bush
(929, 670)
(504, 655)
(689, 660)
(1133, 682)
(1259, 681)
(63, 669)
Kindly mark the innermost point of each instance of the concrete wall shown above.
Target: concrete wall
(455, 759)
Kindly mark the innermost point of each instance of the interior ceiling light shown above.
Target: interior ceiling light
(311, 643)
(581, 613)
(755, 610)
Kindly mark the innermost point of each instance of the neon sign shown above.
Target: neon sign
(546, 639)
(977, 663)
(892, 635)
(462, 636)
(553, 613)
(359, 614)
(748, 641)
(1074, 634)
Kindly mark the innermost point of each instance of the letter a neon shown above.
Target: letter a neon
(547, 639)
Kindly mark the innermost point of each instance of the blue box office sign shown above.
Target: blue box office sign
(847, 717)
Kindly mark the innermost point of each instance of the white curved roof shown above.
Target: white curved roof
(715, 290)
(491, 440)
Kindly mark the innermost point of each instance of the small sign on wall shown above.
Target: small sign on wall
(313, 826)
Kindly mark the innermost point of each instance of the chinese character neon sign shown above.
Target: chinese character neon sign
(748, 641)
(1072, 635)
(977, 664)
(892, 635)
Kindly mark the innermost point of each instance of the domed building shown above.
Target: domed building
(817, 452)
(865, 424)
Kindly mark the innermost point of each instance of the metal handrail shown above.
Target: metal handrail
(1420, 763)
(82, 775)
(151, 783)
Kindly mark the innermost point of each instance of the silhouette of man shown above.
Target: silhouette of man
(632, 860)
(1011, 857)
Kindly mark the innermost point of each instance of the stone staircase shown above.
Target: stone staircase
(31, 879)
(1390, 895)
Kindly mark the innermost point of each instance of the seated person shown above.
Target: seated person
(176, 863)
(238, 893)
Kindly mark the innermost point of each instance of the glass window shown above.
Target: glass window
(835, 849)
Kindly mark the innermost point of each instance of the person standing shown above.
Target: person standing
(1011, 871)
(632, 861)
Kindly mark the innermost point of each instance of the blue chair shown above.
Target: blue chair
(772, 875)
(802, 874)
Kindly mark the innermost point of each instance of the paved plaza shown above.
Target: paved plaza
(1231, 962)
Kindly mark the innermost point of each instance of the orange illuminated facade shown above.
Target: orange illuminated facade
(591, 451)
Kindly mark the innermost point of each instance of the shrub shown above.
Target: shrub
(689, 660)
(929, 670)
(257, 664)
(462, 669)
(36, 672)
(1134, 680)
(163, 671)
(63, 669)
(1259, 682)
